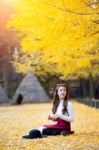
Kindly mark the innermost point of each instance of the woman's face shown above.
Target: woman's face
(61, 92)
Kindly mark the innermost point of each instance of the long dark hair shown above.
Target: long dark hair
(56, 99)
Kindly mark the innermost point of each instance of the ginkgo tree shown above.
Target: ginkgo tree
(58, 37)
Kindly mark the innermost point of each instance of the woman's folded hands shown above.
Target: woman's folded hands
(54, 117)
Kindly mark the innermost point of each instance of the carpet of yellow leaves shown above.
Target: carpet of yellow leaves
(16, 121)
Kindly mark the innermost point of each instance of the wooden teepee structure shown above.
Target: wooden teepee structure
(30, 90)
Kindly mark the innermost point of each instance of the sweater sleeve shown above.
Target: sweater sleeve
(70, 116)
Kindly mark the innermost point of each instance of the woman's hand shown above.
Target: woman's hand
(53, 117)
(57, 116)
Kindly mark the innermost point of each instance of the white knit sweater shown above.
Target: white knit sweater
(70, 110)
(65, 117)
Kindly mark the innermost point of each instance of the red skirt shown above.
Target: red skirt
(61, 125)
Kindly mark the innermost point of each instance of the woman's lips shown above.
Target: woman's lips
(62, 94)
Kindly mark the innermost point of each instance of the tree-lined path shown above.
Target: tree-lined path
(58, 41)
(16, 121)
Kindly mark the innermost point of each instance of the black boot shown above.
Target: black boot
(33, 134)
(65, 133)
(26, 137)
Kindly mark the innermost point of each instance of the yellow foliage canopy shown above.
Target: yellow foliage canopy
(62, 35)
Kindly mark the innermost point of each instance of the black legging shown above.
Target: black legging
(35, 133)
(47, 131)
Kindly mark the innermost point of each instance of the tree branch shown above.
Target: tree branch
(71, 11)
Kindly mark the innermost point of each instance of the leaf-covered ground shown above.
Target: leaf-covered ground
(16, 121)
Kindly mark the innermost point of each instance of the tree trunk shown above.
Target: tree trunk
(91, 91)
